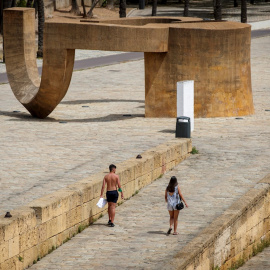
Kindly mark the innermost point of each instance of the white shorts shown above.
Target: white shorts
(171, 207)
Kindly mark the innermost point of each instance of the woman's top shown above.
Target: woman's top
(173, 199)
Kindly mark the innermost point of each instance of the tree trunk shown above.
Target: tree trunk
(154, 8)
(122, 9)
(75, 8)
(41, 20)
(90, 12)
(84, 10)
(217, 10)
(243, 11)
(186, 8)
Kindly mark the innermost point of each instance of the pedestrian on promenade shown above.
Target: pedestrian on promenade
(112, 181)
(173, 196)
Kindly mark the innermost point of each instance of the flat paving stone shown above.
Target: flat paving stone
(233, 156)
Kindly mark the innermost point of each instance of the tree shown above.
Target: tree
(243, 11)
(122, 9)
(154, 8)
(90, 12)
(186, 7)
(75, 8)
(84, 10)
(217, 10)
(41, 19)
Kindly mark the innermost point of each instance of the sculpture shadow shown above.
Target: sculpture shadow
(78, 102)
(21, 116)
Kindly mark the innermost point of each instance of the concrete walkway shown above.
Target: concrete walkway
(234, 155)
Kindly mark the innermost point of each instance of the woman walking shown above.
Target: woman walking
(172, 197)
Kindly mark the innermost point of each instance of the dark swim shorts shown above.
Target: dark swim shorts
(112, 196)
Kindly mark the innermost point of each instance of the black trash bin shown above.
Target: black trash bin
(182, 127)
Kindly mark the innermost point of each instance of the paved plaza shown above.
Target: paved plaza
(41, 156)
(234, 156)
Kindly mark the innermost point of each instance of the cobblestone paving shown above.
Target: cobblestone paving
(260, 262)
(234, 155)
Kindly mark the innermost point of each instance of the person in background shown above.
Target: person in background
(172, 197)
(112, 181)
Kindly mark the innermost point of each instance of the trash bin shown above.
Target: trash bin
(182, 127)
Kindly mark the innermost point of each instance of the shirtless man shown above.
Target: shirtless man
(112, 181)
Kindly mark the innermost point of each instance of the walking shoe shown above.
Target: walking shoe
(111, 225)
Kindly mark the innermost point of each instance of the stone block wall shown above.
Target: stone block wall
(46, 223)
(232, 237)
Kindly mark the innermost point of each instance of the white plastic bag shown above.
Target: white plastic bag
(101, 203)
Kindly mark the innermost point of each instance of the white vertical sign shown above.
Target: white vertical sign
(185, 100)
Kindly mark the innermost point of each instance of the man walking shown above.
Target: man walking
(112, 181)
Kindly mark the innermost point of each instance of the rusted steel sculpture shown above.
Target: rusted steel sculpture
(216, 55)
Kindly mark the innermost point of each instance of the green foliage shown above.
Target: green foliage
(194, 151)
(160, 176)
(20, 259)
(81, 228)
(52, 249)
(34, 262)
(216, 268)
(67, 239)
(260, 247)
(237, 264)
(21, 3)
(135, 193)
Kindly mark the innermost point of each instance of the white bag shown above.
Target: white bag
(101, 203)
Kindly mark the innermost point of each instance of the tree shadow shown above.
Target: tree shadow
(22, 116)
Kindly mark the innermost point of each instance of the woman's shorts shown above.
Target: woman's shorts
(171, 207)
(112, 196)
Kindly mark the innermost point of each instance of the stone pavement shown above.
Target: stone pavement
(41, 156)
(260, 262)
(234, 155)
